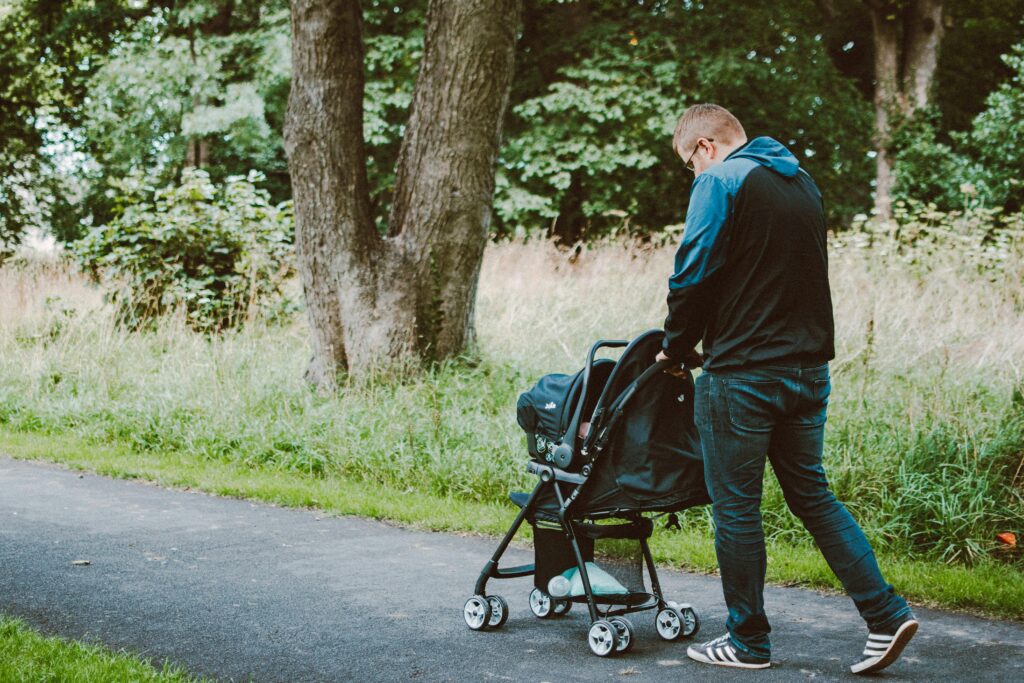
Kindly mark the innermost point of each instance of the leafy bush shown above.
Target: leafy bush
(926, 170)
(985, 241)
(997, 140)
(221, 253)
(980, 166)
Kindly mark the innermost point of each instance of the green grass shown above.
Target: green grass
(28, 657)
(988, 587)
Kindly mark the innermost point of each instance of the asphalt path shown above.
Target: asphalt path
(241, 591)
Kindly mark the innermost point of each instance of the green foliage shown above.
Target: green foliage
(926, 170)
(599, 87)
(96, 90)
(594, 139)
(981, 166)
(178, 88)
(971, 63)
(996, 140)
(221, 253)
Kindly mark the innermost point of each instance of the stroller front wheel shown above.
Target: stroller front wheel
(691, 621)
(603, 638)
(477, 613)
(677, 621)
(669, 623)
(541, 604)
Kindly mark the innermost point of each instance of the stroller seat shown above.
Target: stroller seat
(521, 499)
(608, 444)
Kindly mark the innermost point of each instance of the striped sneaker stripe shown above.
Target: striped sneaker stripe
(882, 649)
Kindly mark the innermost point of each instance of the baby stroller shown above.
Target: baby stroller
(608, 444)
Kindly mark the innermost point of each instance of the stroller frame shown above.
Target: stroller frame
(610, 633)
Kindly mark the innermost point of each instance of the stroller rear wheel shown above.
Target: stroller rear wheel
(562, 607)
(541, 604)
(603, 638)
(477, 613)
(626, 634)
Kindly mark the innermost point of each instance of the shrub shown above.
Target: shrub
(220, 253)
(982, 165)
(927, 170)
(986, 241)
(997, 138)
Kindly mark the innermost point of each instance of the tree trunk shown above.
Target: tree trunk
(374, 300)
(907, 36)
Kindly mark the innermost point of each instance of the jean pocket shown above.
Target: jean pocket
(751, 405)
(813, 411)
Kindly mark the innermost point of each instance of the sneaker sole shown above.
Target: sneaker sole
(696, 655)
(895, 649)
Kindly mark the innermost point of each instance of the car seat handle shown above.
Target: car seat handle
(567, 448)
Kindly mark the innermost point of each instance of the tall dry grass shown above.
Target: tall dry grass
(925, 440)
(540, 307)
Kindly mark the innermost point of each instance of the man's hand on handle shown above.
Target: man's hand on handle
(678, 369)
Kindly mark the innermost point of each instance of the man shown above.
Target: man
(751, 281)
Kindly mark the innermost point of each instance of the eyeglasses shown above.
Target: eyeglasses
(689, 162)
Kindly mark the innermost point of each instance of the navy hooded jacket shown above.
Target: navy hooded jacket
(751, 273)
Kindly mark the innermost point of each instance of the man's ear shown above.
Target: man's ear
(714, 150)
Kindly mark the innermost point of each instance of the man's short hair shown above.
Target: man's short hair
(706, 121)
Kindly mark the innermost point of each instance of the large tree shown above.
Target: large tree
(906, 36)
(379, 298)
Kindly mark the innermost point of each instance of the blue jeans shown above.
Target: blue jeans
(778, 413)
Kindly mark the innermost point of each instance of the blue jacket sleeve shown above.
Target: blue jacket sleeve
(691, 292)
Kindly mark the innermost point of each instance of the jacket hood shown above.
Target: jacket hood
(771, 153)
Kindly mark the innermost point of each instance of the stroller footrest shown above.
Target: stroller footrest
(513, 572)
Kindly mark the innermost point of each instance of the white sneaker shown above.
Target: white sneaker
(883, 649)
(722, 652)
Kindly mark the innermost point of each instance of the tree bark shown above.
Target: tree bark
(907, 35)
(381, 300)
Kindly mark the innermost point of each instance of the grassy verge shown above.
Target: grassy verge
(26, 656)
(987, 587)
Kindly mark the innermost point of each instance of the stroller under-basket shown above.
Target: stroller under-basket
(608, 444)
